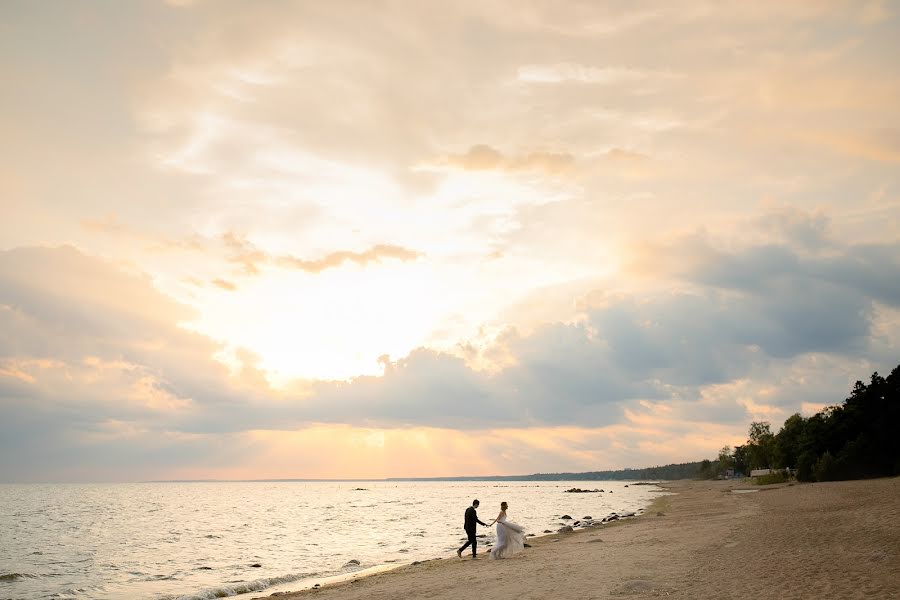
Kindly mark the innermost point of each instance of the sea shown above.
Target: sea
(198, 540)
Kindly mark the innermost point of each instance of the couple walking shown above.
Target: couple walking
(510, 536)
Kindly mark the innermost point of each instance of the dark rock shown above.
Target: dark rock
(364, 489)
(566, 518)
(576, 523)
(581, 491)
(352, 563)
(587, 518)
(547, 531)
(565, 529)
(417, 562)
(205, 569)
(626, 486)
(256, 565)
(528, 545)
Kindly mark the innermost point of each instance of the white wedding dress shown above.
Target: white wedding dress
(510, 539)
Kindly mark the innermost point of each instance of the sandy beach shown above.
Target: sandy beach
(823, 540)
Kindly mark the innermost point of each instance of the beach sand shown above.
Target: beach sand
(823, 540)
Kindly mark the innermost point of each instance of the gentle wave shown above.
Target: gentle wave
(205, 540)
(244, 587)
(16, 576)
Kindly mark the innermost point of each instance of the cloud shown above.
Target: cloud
(82, 338)
(92, 358)
(250, 258)
(798, 229)
(874, 12)
(228, 286)
(509, 156)
(881, 145)
(112, 225)
(569, 72)
(482, 157)
(629, 164)
(332, 260)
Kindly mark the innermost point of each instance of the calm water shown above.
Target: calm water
(200, 540)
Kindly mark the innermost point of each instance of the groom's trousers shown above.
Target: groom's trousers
(472, 540)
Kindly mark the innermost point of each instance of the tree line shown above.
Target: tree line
(853, 440)
(686, 470)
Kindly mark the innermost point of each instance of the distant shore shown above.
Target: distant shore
(823, 540)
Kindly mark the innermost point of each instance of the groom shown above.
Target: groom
(471, 519)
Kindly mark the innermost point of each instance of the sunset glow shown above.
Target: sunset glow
(264, 240)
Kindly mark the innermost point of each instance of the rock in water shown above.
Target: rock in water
(565, 529)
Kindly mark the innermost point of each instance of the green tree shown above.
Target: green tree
(787, 442)
(760, 445)
(725, 460)
(741, 459)
(852, 440)
(826, 468)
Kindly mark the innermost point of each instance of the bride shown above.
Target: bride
(510, 536)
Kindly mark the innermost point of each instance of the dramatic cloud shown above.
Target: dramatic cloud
(585, 235)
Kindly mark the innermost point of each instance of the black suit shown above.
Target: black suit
(469, 526)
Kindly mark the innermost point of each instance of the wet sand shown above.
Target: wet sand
(823, 540)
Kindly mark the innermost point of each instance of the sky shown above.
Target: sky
(389, 239)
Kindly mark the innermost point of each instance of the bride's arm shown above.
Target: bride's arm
(497, 519)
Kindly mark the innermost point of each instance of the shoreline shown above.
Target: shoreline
(700, 540)
(317, 583)
(537, 540)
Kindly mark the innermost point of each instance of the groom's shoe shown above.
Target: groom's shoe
(459, 553)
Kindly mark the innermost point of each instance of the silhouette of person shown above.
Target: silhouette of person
(469, 526)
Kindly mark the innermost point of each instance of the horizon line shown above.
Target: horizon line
(562, 476)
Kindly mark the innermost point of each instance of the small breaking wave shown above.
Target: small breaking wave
(16, 576)
(243, 587)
